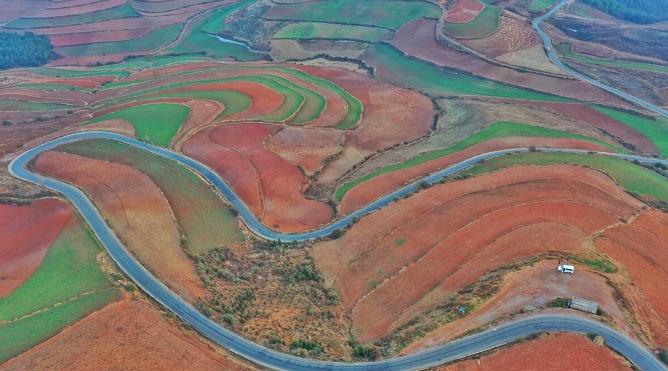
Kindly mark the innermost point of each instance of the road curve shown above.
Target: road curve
(553, 56)
(279, 361)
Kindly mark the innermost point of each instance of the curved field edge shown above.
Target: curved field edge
(628, 175)
(654, 128)
(154, 123)
(496, 130)
(484, 24)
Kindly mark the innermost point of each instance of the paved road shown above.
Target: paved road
(553, 56)
(279, 361)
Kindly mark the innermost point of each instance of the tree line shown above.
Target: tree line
(636, 11)
(26, 50)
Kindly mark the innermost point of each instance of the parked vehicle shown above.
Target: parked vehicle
(566, 269)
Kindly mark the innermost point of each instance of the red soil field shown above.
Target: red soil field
(71, 3)
(513, 35)
(136, 210)
(285, 207)
(79, 9)
(370, 190)
(202, 112)
(306, 147)
(98, 37)
(12, 9)
(431, 50)
(552, 353)
(641, 247)
(464, 11)
(115, 24)
(107, 111)
(484, 223)
(86, 83)
(27, 233)
(125, 335)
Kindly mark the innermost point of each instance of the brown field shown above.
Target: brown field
(13, 9)
(549, 353)
(126, 335)
(78, 9)
(115, 24)
(513, 35)
(98, 37)
(464, 11)
(27, 233)
(307, 148)
(370, 190)
(86, 83)
(432, 50)
(393, 266)
(136, 210)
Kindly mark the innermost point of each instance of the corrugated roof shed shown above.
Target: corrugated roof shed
(584, 305)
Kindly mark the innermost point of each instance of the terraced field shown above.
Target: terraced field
(484, 24)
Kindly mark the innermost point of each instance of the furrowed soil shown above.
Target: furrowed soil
(464, 11)
(136, 209)
(28, 232)
(392, 266)
(306, 148)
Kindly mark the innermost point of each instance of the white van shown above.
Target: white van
(566, 269)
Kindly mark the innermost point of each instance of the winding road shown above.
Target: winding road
(452, 351)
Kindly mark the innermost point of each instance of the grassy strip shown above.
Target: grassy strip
(154, 123)
(631, 177)
(121, 11)
(18, 336)
(655, 130)
(63, 72)
(566, 49)
(431, 79)
(148, 42)
(484, 24)
(314, 30)
(538, 6)
(69, 269)
(48, 87)
(233, 101)
(496, 130)
(203, 217)
(600, 264)
(200, 40)
(390, 14)
(21, 105)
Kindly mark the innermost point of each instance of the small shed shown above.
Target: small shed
(583, 305)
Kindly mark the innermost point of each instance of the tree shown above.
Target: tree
(27, 50)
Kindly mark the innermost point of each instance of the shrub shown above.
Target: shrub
(368, 351)
(6, 123)
(663, 355)
(336, 234)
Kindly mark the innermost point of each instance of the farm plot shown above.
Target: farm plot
(306, 148)
(513, 35)
(464, 11)
(55, 12)
(538, 6)
(315, 30)
(11, 105)
(368, 13)
(654, 128)
(566, 49)
(137, 211)
(484, 223)
(484, 24)
(205, 220)
(154, 123)
(122, 11)
(67, 286)
(23, 250)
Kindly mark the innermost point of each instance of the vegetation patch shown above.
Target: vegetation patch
(566, 49)
(148, 42)
(122, 11)
(27, 50)
(630, 176)
(21, 105)
(637, 11)
(154, 123)
(484, 24)
(655, 129)
(538, 6)
(233, 101)
(598, 263)
(315, 30)
(496, 130)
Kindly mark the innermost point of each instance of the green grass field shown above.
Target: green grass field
(64, 72)
(485, 24)
(154, 123)
(122, 11)
(496, 130)
(199, 38)
(315, 30)
(69, 274)
(654, 130)
(21, 105)
(388, 14)
(430, 79)
(148, 42)
(538, 6)
(233, 101)
(631, 177)
(48, 87)
(202, 215)
(566, 49)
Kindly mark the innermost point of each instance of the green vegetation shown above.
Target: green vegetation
(600, 264)
(63, 72)
(389, 14)
(566, 49)
(200, 39)
(558, 303)
(496, 130)
(18, 336)
(204, 218)
(122, 11)
(631, 177)
(484, 24)
(655, 130)
(431, 79)
(48, 87)
(70, 275)
(21, 105)
(638, 11)
(399, 242)
(314, 30)
(27, 50)
(148, 42)
(233, 101)
(663, 355)
(368, 351)
(538, 6)
(154, 123)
